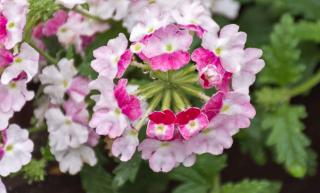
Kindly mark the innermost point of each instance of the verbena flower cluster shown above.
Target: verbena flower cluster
(193, 98)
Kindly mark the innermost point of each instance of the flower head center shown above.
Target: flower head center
(218, 51)
(117, 111)
(18, 60)
(12, 85)
(169, 47)
(11, 25)
(9, 148)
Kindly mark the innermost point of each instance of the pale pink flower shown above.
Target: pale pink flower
(106, 9)
(161, 125)
(109, 122)
(193, 14)
(17, 150)
(228, 45)
(163, 156)
(14, 95)
(212, 140)
(57, 81)
(79, 88)
(70, 3)
(167, 48)
(235, 113)
(76, 27)
(251, 65)
(27, 61)
(64, 133)
(11, 23)
(191, 121)
(72, 160)
(4, 119)
(227, 8)
(151, 19)
(113, 59)
(190, 160)
(125, 146)
(77, 111)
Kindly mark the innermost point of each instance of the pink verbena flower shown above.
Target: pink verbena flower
(251, 65)
(11, 23)
(17, 150)
(6, 58)
(129, 104)
(235, 112)
(211, 73)
(228, 45)
(27, 62)
(161, 125)
(163, 156)
(64, 133)
(52, 25)
(115, 54)
(167, 48)
(191, 122)
(125, 146)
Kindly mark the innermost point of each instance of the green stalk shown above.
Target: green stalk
(306, 86)
(184, 71)
(178, 100)
(152, 92)
(90, 16)
(152, 106)
(166, 103)
(216, 184)
(49, 58)
(194, 92)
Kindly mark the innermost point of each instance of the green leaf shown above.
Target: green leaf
(308, 31)
(286, 136)
(191, 188)
(34, 171)
(126, 171)
(252, 186)
(252, 141)
(200, 176)
(96, 180)
(282, 55)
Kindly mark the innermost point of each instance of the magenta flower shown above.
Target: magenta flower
(161, 125)
(191, 122)
(167, 48)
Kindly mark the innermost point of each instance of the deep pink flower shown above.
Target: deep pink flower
(167, 48)
(129, 104)
(161, 125)
(191, 121)
(214, 105)
(6, 58)
(51, 27)
(3, 28)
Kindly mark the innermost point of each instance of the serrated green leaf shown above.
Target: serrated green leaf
(282, 55)
(286, 136)
(126, 171)
(202, 173)
(252, 141)
(308, 31)
(96, 180)
(191, 188)
(252, 186)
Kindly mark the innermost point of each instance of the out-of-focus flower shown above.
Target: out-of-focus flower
(17, 149)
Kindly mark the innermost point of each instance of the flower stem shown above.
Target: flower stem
(90, 16)
(306, 86)
(216, 184)
(140, 65)
(195, 92)
(43, 53)
(154, 103)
